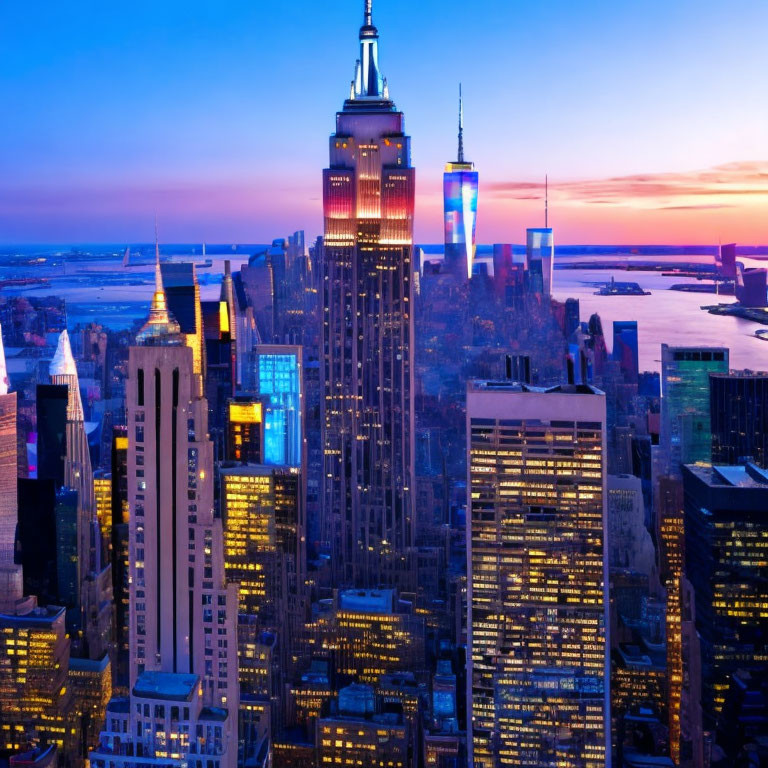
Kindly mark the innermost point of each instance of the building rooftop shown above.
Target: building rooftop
(738, 476)
(483, 385)
(367, 600)
(89, 665)
(36, 617)
(166, 685)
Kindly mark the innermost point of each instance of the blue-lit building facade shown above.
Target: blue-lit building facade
(277, 372)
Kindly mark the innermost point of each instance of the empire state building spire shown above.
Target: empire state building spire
(368, 83)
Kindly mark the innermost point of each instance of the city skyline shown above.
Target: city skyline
(177, 122)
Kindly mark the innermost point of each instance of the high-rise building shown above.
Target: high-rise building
(540, 256)
(625, 349)
(367, 345)
(538, 669)
(355, 734)
(460, 191)
(120, 553)
(35, 701)
(245, 427)
(686, 433)
(725, 540)
(739, 414)
(11, 579)
(276, 373)
(183, 643)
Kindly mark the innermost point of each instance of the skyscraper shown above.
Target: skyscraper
(686, 432)
(367, 366)
(11, 581)
(739, 413)
(460, 191)
(537, 598)
(183, 642)
(625, 349)
(725, 541)
(540, 255)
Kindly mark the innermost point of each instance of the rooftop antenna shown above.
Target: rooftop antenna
(368, 13)
(461, 127)
(546, 201)
(158, 274)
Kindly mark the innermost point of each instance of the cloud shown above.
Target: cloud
(722, 186)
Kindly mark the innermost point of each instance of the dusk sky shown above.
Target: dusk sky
(650, 118)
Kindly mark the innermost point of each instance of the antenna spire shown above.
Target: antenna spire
(461, 127)
(546, 201)
(368, 13)
(158, 274)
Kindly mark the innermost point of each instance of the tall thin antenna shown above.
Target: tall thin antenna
(368, 13)
(461, 127)
(158, 274)
(546, 201)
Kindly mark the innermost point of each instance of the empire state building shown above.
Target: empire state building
(367, 428)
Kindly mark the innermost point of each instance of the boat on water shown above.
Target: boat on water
(621, 289)
(762, 334)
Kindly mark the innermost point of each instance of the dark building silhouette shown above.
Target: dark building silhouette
(51, 407)
(739, 413)
(725, 533)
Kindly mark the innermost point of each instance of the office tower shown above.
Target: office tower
(11, 578)
(726, 261)
(367, 366)
(509, 273)
(540, 255)
(460, 190)
(686, 435)
(182, 296)
(725, 534)
(630, 545)
(51, 405)
(356, 735)
(183, 663)
(739, 414)
(537, 576)
(572, 317)
(120, 553)
(220, 368)
(276, 373)
(264, 538)
(91, 683)
(683, 652)
(373, 634)
(752, 286)
(245, 428)
(36, 538)
(625, 349)
(35, 700)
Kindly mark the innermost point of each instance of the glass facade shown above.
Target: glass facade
(686, 435)
(540, 254)
(739, 413)
(278, 373)
(538, 687)
(460, 193)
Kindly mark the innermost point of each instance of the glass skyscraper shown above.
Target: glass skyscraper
(686, 435)
(367, 342)
(540, 255)
(538, 690)
(278, 375)
(460, 192)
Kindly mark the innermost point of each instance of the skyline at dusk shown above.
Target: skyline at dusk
(193, 114)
